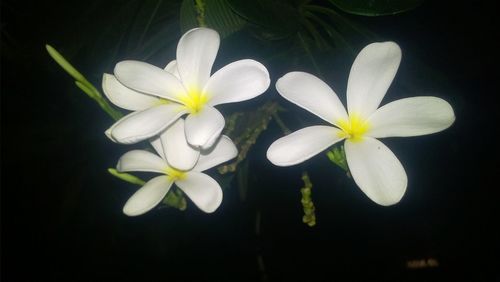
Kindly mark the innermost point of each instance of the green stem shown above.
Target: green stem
(82, 83)
(281, 124)
(96, 96)
(126, 177)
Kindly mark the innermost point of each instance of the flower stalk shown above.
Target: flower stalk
(256, 123)
(337, 156)
(200, 10)
(309, 217)
(82, 83)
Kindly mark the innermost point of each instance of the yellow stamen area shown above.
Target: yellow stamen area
(354, 128)
(194, 100)
(175, 174)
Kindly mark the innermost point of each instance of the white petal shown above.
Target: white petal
(201, 127)
(149, 79)
(210, 143)
(125, 97)
(311, 93)
(108, 132)
(202, 189)
(302, 145)
(158, 146)
(139, 126)
(223, 151)
(411, 117)
(140, 160)
(172, 68)
(376, 170)
(371, 75)
(179, 153)
(238, 81)
(148, 196)
(196, 54)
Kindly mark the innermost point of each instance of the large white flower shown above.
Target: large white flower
(373, 166)
(171, 145)
(187, 82)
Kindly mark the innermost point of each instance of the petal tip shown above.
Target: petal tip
(109, 135)
(274, 155)
(215, 205)
(386, 199)
(129, 212)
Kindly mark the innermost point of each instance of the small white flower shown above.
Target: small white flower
(171, 145)
(373, 166)
(187, 82)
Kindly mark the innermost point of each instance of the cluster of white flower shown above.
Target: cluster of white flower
(159, 98)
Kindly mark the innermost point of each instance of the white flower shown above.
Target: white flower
(203, 190)
(187, 82)
(373, 166)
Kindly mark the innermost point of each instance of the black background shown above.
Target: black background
(61, 211)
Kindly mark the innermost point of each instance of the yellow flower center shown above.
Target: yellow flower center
(354, 128)
(175, 174)
(194, 100)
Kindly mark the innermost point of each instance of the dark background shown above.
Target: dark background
(61, 210)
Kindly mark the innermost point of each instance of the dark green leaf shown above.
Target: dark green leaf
(220, 16)
(276, 19)
(188, 15)
(376, 7)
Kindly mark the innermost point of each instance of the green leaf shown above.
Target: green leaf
(342, 23)
(217, 14)
(126, 177)
(114, 30)
(188, 15)
(146, 15)
(376, 7)
(336, 36)
(276, 19)
(220, 16)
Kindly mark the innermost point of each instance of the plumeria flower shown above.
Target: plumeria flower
(374, 167)
(172, 149)
(132, 100)
(187, 82)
